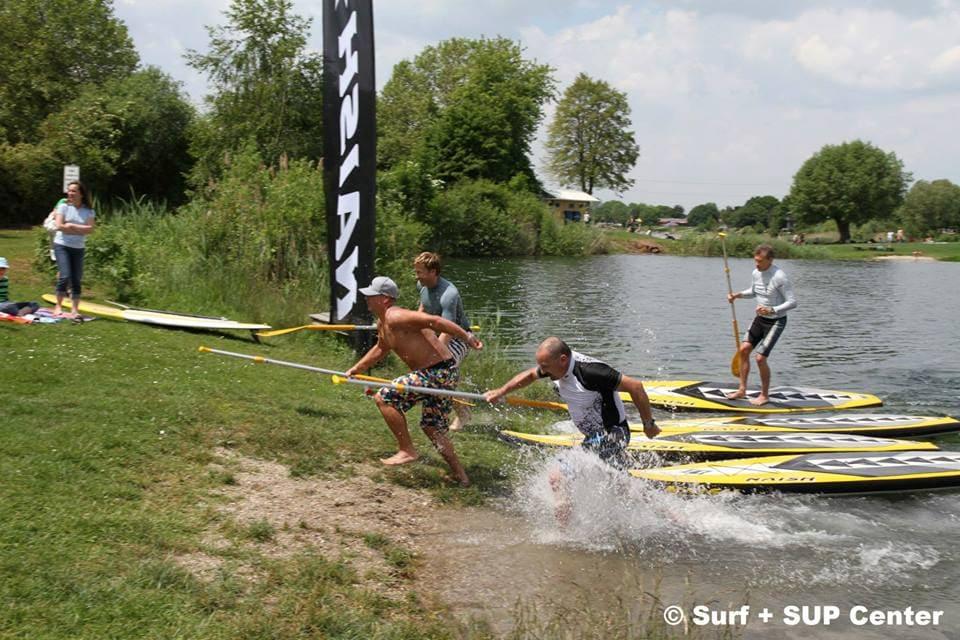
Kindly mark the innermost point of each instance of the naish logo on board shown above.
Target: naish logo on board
(771, 479)
(348, 203)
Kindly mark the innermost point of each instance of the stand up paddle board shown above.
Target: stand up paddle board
(713, 444)
(163, 318)
(835, 473)
(886, 425)
(712, 396)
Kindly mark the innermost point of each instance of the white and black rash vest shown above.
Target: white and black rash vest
(590, 390)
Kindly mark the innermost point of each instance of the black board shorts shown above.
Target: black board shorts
(611, 445)
(764, 333)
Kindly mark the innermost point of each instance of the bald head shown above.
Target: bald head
(554, 347)
(553, 357)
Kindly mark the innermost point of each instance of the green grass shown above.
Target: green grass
(691, 242)
(106, 448)
(109, 432)
(949, 252)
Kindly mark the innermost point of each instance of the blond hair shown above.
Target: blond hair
(428, 260)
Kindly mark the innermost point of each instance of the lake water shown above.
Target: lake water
(889, 328)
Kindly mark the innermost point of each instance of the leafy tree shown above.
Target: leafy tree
(704, 215)
(612, 211)
(128, 136)
(930, 206)
(757, 212)
(649, 215)
(153, 155)
(849, 183)
(464, 109)
(483, 218)
(268, 87)
(589, 139)
(30, 183)
(50, 49)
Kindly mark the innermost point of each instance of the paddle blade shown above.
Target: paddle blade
(735, 365)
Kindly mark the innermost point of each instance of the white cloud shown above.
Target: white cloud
(859, 48)
(728, 97)
(948, 62)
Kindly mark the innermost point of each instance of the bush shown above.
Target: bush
(482, 218)
(558, 239)
(255, 245)
(738, 245)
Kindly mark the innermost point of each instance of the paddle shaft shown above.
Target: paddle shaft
(733, 311)
(735, 360)
(326, 327)
(284, 363)
(340, 376)
(464, 395)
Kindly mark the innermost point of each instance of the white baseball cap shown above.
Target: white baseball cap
(4, 265)
(382, 286)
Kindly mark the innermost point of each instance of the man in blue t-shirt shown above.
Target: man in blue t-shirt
(591, 389)
(439, 297)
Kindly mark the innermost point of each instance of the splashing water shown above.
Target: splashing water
(789, 540)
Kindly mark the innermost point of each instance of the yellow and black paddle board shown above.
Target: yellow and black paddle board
(834, 473)
(162, 318)
(712, 396)
(868, 424)
(718, 444)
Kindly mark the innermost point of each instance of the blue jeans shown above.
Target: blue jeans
(70, 265)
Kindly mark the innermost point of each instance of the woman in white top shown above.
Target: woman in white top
(75, 221)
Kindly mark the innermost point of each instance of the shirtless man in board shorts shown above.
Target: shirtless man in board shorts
(405, 332)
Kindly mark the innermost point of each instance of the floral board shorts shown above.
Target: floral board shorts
(443, 375)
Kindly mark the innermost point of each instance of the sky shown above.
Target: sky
(728, 98)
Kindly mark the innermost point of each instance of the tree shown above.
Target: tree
(649, 215)
(929, 207)
(612, 211)
(153, 148)
(464, 109)
(129, 137)
(704, 215)
(756, 212)
(50, 49)
(589, 139)
(268, 88)
(849, 183)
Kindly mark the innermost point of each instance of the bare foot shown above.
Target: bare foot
(57, 311)
(463, 481)
(400, 457)
(739, 393)
(759, 400)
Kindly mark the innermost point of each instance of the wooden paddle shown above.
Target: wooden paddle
(340, 377)
(735, 361)
(327, 327)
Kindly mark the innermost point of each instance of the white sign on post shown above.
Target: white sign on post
(71, 173)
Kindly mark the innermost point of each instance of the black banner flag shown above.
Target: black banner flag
(349, 149)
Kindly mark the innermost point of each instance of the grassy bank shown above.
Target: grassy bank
(108, 454)
(695, 243)
(147, 491)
